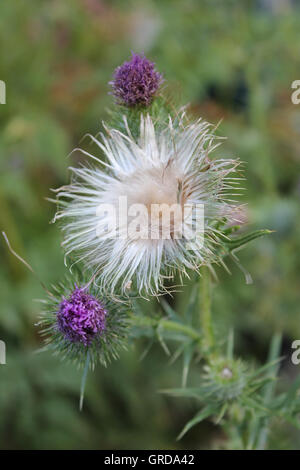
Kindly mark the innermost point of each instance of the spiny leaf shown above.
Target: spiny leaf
(161, 340)
(292, 393)
(200, 416)
(265, 367)
(168, 310)
(222, 413)
(239, 242)
(191, 310)
(183, 392)
(187, 358)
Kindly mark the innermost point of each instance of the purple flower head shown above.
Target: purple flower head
(81, 317)
(136, 82)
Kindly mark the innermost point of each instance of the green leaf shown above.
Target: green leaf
(222, 413)
(161, 340)
(265, 367)
(191, 313)
(168, 310)
(239, 242)
(292, 393)
(209, 410)
(188, 353)
(183, 392)
(262, 427)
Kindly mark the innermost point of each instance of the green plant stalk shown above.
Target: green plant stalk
(205, 310)
(9, 226)
(83, 380)
(269, 389)
(259, 428)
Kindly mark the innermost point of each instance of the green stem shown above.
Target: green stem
(205, 309)
(259, 428)
(83, 380)
(269, 389)
(9, 225)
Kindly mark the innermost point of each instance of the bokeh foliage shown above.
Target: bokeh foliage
(230, 60)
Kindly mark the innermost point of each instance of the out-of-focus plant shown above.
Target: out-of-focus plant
(234, 61)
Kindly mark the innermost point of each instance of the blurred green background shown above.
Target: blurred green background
(230, 60)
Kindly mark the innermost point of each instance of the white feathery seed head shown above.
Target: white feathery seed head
(112, 213)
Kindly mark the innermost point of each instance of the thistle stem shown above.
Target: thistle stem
(269, 389)
(83, 380)
(205, 309)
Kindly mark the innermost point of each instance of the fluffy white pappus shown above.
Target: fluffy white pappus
(162, 169)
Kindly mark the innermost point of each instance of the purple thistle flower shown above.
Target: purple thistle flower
(81, 317)
(136, 82)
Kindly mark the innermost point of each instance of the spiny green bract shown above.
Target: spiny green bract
(105, 346)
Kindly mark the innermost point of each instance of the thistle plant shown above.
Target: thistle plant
(152, 155)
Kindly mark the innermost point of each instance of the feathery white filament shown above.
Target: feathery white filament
(167, 167)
